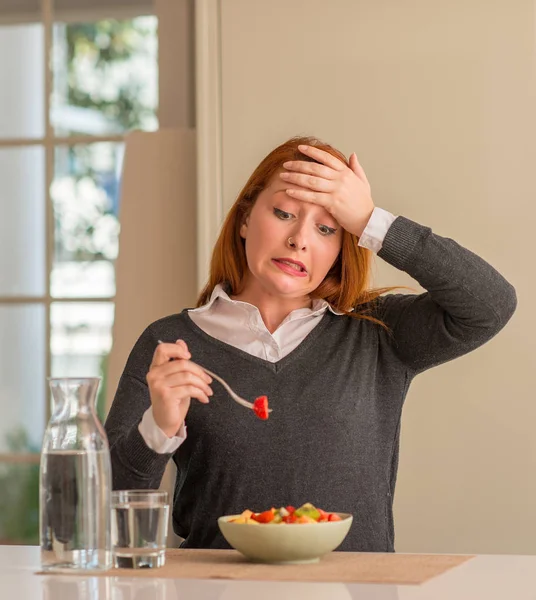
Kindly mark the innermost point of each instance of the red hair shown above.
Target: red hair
(345, 287)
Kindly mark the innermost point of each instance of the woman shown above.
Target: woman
(287, 313)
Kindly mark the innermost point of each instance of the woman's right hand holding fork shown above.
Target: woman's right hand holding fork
(173, 380)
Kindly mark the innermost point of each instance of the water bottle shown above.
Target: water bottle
(75, 481)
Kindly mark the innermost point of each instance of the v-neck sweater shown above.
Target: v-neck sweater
(333, 436)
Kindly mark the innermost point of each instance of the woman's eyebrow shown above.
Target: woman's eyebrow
(326, 218)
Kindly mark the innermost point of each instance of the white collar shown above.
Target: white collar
(319, 305)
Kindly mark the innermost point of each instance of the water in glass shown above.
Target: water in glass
(139, 528)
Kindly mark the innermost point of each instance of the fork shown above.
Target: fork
(228, 388)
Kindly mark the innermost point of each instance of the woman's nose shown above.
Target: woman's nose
(297, 241)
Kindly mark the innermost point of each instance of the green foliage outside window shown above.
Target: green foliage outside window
(19, 498)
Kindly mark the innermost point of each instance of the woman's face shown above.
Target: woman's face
(276, 217)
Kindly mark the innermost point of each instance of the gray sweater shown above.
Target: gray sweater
(333, 436)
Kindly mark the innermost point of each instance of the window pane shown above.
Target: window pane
(19, 503)
(22, 221)
(81, 338)
(105, 77)
(21, 77)
(85, 195)
(22, 378)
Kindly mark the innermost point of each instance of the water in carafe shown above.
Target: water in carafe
(75, 481)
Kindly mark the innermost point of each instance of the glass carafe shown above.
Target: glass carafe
(75, 481)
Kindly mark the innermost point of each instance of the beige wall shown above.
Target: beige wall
(437, 99)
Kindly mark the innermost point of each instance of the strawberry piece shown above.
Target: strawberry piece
(290, 519)
(260, 407)
(334, 517)
(290, 508)
(264, 517)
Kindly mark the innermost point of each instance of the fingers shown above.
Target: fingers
(318, 198)
(177, 381)
(172, 368)
(353, 163)
(324, 157)
(328, 160)
(176, 360)
(311, 182)
(185, 380)
(188, 379)
(178, 366)
(311, 168)
(165, 396)
(194, 392)
(166, 352)
(357, 168)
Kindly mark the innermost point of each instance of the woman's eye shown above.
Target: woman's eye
(325, 230)
(285, 216)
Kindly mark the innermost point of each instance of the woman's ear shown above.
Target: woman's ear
(244, 228)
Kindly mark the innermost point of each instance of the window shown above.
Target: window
(79, 76)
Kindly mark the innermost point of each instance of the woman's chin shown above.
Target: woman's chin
(288, 287)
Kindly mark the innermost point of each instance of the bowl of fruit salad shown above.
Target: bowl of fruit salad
(286, 534)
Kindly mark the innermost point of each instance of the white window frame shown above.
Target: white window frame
(49, 142)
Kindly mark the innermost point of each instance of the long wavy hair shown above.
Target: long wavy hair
(346, 285)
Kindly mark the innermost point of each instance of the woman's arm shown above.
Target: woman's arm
(134, 464)
(467, 301)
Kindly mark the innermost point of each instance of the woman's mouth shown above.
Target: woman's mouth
(291, 267)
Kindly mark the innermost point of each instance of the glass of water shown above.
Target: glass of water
(139, 528)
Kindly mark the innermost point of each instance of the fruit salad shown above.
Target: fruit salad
(307, 513)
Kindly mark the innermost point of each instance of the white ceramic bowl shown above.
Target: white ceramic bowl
(285, 543)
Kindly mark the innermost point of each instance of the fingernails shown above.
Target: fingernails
(287, 164)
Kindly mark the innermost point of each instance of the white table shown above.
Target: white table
(485, 577)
